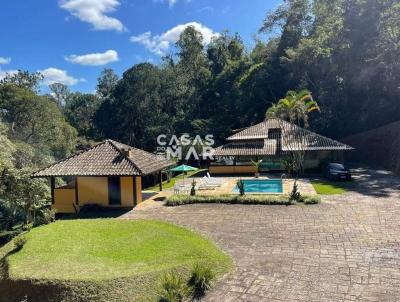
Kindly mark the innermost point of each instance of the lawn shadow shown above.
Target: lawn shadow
(95, 212)
(148, 195)
(367, 180)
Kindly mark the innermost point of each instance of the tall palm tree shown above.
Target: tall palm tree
(294, 108)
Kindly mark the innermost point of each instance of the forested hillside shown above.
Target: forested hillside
(346, 52)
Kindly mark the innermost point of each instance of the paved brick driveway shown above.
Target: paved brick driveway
(345, 249)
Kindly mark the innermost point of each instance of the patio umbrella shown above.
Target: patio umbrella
(184, 169)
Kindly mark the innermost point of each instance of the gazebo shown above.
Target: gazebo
(108, 174)
(272, 140)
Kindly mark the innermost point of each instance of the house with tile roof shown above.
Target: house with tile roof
(272, 141)
(108, 174)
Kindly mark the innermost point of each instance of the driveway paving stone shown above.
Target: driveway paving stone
(345, 249)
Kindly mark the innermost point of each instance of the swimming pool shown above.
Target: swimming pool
(261, 186)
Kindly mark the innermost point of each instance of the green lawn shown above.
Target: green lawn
(327, 187)
(171, 184)
(108, 249)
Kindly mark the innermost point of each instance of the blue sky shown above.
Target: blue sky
(71, 41)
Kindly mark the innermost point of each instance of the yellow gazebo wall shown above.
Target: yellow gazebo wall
(127, 192)
(94, 190)
(64, 200)
(139, 189)
(127, 197)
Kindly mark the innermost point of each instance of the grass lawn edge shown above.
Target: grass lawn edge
(139, 287)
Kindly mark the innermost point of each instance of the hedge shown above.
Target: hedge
(177, 200)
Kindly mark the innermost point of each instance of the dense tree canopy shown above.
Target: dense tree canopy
(344, 51)
(36, 121)
(33, 133)
(106, 83)
(80, 110)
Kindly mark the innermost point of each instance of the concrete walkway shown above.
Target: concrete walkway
(344, 249)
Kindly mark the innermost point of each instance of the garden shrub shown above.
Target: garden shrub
(200, 280)
(174, 288)
(46, 216)
(176, 200)
(313, 199)
(250, 199)
(19, 242)
(192, 287)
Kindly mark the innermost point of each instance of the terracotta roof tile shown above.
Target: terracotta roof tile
(107, 159)
(253, 140)
(263, 147)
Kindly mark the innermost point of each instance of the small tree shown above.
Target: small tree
(289, 166)
(295, 195)
(106, 83)
(257, 164)
(60, 93)
(294, 145)
(193, 189)
(294, 108)
(240, 185)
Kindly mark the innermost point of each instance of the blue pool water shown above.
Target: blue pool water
(261, 186)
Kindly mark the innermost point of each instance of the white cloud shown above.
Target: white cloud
(94, 59)
(4, 60)
(94, 12)
(160, 44)
(171, 3)
(3, 73)
(54, 75)
(205, 9)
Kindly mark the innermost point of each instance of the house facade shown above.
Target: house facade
(274, 140)
(108, 174)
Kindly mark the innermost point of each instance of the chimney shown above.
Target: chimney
(127, 152)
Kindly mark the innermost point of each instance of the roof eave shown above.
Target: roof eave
(162, 167)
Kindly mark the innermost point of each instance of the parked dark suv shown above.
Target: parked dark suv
(337, 172)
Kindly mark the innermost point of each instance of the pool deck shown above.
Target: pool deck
(304, 186)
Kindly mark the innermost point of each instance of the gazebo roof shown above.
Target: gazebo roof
(261, 139)
(109, 158)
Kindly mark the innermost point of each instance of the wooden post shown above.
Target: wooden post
(76, 191)
(134, 191)
(52, 187)
(160, 177)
